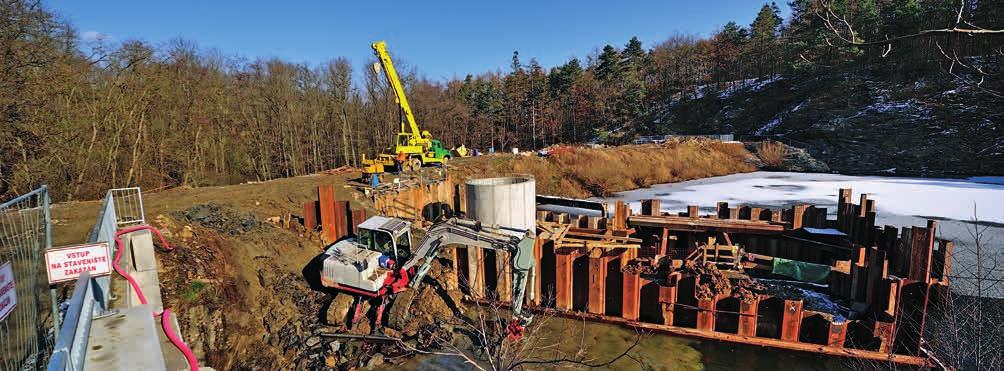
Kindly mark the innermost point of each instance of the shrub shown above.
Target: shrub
(772, 154)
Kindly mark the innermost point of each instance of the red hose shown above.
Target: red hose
(165, 316)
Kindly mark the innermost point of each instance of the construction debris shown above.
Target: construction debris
(223, 218)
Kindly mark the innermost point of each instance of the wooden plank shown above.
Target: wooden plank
(798, 216)
(685, 224)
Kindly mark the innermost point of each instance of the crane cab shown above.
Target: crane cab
(366, 262)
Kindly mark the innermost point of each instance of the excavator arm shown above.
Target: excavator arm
(457, 231)
(380, 48)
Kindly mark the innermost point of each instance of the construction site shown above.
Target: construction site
(427, 256)
(795, 279)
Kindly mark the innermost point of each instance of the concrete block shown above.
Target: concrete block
(142, 351)
(144, 256)
(150, 284)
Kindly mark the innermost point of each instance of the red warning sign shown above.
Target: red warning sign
(66, 263)
(8, 291)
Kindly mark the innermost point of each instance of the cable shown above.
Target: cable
(165, 315)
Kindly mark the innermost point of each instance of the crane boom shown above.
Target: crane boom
(380, 48)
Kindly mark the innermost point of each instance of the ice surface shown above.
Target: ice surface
(901, 202)
(944, 198)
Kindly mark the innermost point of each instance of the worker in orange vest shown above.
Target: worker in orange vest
(400, 159)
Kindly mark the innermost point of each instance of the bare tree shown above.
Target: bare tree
(488, 342)
(968, 322)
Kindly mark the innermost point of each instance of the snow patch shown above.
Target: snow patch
(768, 127)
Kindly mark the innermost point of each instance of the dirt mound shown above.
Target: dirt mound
(223, 218)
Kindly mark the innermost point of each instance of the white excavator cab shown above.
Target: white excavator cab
(363, 262)
(393, 244)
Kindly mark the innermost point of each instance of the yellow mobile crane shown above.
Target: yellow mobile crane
(412, 149)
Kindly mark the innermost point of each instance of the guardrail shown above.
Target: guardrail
(69, 351)
(91, 295)
(128, 206)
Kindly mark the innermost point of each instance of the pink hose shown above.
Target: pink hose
(165, 316)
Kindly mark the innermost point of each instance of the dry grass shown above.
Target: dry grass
(772, 154)
(583, 172)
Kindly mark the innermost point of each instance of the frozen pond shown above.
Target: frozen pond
(899, 201)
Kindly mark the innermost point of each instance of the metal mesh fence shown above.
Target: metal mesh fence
(24, 231)
(966, 323)
(128, 206)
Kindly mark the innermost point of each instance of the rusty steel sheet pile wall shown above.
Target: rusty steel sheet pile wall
(892, 272)
(887, 274)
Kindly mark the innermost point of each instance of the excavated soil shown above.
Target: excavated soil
(247, 293)
(711, 283)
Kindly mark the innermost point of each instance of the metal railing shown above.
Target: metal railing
(25, 229)
(69, 351)
(121, 207)
(128, 206)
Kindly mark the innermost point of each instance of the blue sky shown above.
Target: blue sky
(442, 39)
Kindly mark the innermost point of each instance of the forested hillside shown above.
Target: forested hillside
(842, 76)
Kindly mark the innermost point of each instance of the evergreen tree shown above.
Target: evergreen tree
(733, 34)
(609, 67)
(767, 22)
(633, 55)
(561, 78)
(516, 66)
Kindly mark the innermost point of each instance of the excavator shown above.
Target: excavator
(413, 148)
(381, 260)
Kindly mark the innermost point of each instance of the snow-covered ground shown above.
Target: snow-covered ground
(900, 201)
(942, 198)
